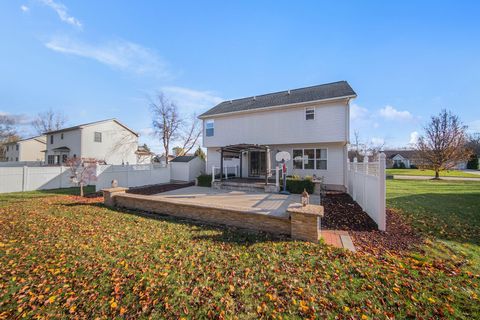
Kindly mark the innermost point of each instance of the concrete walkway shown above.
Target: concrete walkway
(402, 177)
(338, 238)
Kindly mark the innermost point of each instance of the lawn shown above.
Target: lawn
(63, 256)
(431, 173)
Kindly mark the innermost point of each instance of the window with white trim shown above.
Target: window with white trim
(310, 159)
(209, 128)
(309, 113)
(97, 137)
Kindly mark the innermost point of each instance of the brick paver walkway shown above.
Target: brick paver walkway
(334, 238)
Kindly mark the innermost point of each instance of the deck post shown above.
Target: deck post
(277, 177)
(382, 219)
(267, 163)
(221, 164)
(241, 169)
(213, 174)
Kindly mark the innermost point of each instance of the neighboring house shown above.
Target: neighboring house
(109, 141)
(186, 168)
(144, 156)
(311, 124)
(162, 159)
(30, 149)
(395, 158)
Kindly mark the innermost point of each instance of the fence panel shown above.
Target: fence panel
(366, 185)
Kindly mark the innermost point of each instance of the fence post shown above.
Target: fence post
(127, 173)
(213, 174)
(354, 191)
(61, 174)
(382, 219)
(25, 178)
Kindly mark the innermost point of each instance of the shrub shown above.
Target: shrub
(297, 185)
(204, 180)
(473, 162)
(395, 165)
(412, 166)
(402, 165)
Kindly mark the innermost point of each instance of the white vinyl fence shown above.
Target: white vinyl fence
(13, 179)
(131, 175)
(366, 185)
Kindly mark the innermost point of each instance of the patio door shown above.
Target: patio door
(257, 166)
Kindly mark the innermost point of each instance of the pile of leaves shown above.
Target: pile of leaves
(342, 213)
(70, 257)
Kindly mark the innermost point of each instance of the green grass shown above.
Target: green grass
(431, 173)
(446, 211)
(64, 257)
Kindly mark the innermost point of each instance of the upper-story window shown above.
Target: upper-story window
(97, 137)
(61, 136)
(16, 147)
(209, 128)
(51, 139)
(309, 113)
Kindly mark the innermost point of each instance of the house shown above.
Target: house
(311, 124)
(402, 159)
(108, 140)
(144, 155)
(186, 168)
(30, 149)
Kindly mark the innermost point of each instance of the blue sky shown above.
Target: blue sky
(101, 59)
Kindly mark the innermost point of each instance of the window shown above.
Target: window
(8, 147)
(61, 136)
(97, 137)
(16, 159)
(51, 139)
(64, 158)
(209, 128)
(51, 159)
(310, 114)
(298, 159)
(321, 159)
(16, 147)
(309, 159)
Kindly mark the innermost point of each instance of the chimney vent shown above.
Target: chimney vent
(288, 91)
(254, 98)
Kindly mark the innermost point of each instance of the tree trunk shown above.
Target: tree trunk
(81, 189)
(437, 174)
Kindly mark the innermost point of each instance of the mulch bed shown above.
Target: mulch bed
(158, 188)
(342, 213)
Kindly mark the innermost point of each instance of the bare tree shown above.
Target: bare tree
(190, 134)
(49, 121)
(443, 144)
(169, 126)
(82, 171)
(8, 133)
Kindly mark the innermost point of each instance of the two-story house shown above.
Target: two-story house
(25, 150)
(106, 140)
(311, 124)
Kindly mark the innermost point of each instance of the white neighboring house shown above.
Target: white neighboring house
(311, 124)
(26, 150)
(106, 140)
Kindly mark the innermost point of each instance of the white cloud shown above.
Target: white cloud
(192, 100)
(62, 12)
(414, 137)
(377, 141)
(146, 132)
(120, 54)
(357, 112)
(390, 113)
(24, 8)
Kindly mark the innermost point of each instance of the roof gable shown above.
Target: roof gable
(328, 91)
(80, 126)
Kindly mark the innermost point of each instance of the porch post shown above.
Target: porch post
(221, 164)
(241, 168)
(267, 164)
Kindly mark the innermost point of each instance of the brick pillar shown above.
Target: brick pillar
(110, 193)
(305, 221)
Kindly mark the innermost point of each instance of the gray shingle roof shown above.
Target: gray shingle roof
(315, 93)
(183, 159)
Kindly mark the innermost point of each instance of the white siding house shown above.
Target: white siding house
(107, 140)
(26, 150)
(311, 124)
